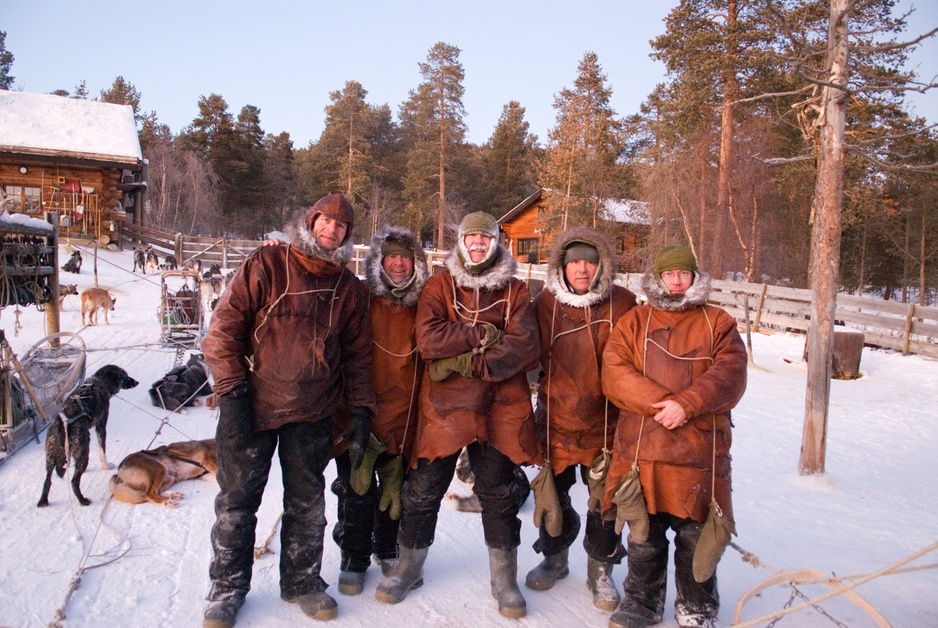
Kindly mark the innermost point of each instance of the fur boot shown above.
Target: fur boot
(407, 576)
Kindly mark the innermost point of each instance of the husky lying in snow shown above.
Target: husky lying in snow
(182, 385)
(146, 475)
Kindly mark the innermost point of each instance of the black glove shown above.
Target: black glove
(357, 434)
(235, 418)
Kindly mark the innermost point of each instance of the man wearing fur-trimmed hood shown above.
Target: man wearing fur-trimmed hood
(289, 339)
(675, 367)
(396, 271)
(576, 312)
(476, 329)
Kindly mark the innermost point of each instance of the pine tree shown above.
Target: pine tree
(433, 130)
(581, 168)
(507, 161)
(6, 63)
(123, 93)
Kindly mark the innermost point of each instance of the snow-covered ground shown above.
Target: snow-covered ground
(148, 566)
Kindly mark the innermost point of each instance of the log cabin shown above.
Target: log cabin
(78, 158)
(627, 222)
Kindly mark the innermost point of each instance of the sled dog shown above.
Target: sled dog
(182, 385)
(91, 300)
(87, 407)
(66, 289)
(153, 261)
(140, 260)
(73, 265)
(170, 263)
(146, 475)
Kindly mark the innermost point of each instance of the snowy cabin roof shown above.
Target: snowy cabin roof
(616, 210)
(626, 211)
(47, 125)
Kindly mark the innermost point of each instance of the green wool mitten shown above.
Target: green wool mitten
(360, 479)
(390, 483)
(441, 369)
(547, 510)
(596, 481)
(630, 506)
(491, 336)
(713, 541)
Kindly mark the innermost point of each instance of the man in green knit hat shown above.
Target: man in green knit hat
(675, 368)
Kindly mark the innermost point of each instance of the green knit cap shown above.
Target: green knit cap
(674, 257)
(478, 222)
(393, 247)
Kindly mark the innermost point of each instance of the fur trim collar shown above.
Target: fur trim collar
(605, 273)
(496, 277)
(305, 242)
(660, 299)
(408, 294)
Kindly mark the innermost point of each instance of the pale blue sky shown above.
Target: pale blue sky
(286, 56)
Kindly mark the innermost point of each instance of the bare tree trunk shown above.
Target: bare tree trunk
(730, 93)
(921, 264)
(863, 254)
(825, 249)
(906, 254)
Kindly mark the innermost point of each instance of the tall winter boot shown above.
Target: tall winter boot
(550, 570)
(407, 576)
(599, 581)
(503, 565)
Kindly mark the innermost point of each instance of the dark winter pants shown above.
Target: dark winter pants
(646, 584)
(361, 528)
(244, 461)
(601, 541)
(494, 485)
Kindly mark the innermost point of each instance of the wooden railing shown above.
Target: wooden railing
(904, 327)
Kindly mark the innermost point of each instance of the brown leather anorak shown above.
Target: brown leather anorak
(494, 405)
(397, 368)
(682, 349)
(572, 411)
(293, 323)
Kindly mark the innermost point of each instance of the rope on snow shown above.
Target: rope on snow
(809, 576)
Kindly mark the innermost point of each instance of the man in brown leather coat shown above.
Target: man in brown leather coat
(676, 367)
(369, 507)
(289, 339)
(576, 312)
(476, 329)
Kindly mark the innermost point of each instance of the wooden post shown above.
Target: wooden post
(748, 326)
(224, 254)
(53, 309)
(761, 305)
(177, 248)
(908, 329)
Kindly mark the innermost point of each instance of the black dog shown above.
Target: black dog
(73, 265)
(182, 385)
(85, 408)
(171, 263)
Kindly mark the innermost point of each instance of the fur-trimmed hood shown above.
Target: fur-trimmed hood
(495, 277)
(302, 238)
(659, 297)
(605, 272)
(406, 295)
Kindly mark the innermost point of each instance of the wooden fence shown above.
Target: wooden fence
(905, 327)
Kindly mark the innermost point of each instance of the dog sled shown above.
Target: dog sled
(35, 388)
(180, 310)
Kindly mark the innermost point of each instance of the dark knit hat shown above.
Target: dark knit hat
(577, 250)
(333, 206)
(395, 247)
(674, 257)
(478, 222)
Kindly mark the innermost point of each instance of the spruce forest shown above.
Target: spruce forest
(728, 152)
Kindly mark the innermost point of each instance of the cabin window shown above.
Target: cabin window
(527, 246)
(30, 198)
